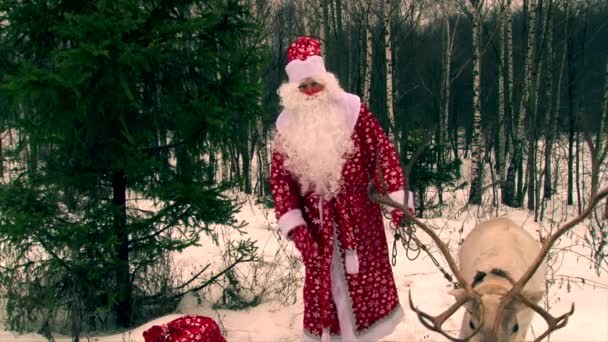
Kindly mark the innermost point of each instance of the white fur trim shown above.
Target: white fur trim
(298, 69)
(291, 220)
(399, 197)
(351, 262)
(350, 105)
(325, 336)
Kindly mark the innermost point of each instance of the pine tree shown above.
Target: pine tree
(117, 102)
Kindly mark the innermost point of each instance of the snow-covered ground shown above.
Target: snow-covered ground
(273, 321)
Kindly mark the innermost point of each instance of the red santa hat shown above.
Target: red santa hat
(304, 59)
(191, 328)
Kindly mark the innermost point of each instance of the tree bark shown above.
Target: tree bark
(475, 194)
(508, 192)
(539, 69)
(123, 278)
(525, 98)
(446, 84)
(598, 154)
(324, 27)
(393, 136)
(554, 112)
(500, 138)
(306, 21)
(571, 121)
(577, 173)
(368, 57)
(603, 134)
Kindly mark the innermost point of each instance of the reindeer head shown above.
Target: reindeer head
(514, 320)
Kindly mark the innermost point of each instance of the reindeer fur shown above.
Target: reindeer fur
(492, 247)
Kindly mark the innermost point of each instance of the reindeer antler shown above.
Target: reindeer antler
(434, 323)
(378, 197)
(437, 321)
(515, 292)
(553, 323)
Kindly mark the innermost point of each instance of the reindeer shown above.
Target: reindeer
(494, 254)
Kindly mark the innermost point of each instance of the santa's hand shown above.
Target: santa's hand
(397, 216)
(306, 245)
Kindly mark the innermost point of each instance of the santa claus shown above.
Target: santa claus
(326, 151)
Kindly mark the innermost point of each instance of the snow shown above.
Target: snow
(273, 321)
(279, 278)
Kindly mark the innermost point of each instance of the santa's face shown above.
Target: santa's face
(310, 86)
(316, 137)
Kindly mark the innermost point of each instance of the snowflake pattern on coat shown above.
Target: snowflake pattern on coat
(372, 291)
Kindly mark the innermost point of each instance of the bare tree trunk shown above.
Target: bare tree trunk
(1, 157)
(123, 304)
(603, 128)
(338, 17)
(554, 113)
(262, 155)
(393, 136)
(369, 55)
(475, 194)
(446, 81)
(598, 153)
(304, 11)
(324, 27)
(539, 69)
(606, 211)
(578, 173)
(508, 192)
(444, 112)
(571, 122)
(500, 139)
(525, 98)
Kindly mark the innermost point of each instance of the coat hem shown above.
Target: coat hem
(340, 293)
(381, 328)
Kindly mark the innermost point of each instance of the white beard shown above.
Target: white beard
(316, 138)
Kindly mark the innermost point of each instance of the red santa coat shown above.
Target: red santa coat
(368, 299)
(190, 328)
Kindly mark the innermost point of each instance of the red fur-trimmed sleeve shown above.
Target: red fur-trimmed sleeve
(286, 195)
(377, 146)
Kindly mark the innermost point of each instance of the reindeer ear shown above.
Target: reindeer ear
(533, 295)
(457, 293)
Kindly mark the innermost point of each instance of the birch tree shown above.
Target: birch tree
(537, 67)
(261, 150)
(367, 83)
(518, 134)
(553, 112)
(508, 191)
(324, 27)
(602, 133)
(524, 104)
(389, 71)
(500, 139)
(304, 13)
(599, 147)
(475, 193)
(446, 82)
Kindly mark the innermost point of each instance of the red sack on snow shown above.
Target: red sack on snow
(189, 328)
